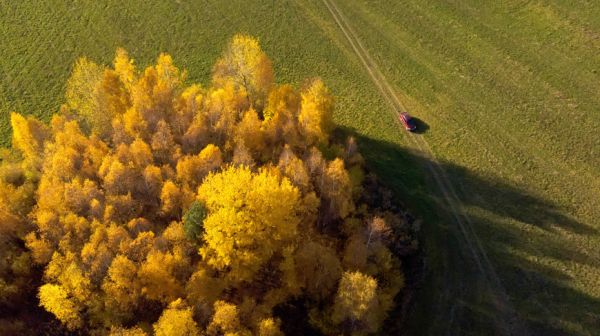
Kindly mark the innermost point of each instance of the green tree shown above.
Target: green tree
(193, 221)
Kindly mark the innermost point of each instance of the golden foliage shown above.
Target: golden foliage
(269, 327)
(119, 331)
(28, 137)
(337, 189)
(55, 300)
(82, 88)
(318, 269)
(121, 286)
(244, 63)
(98, 198)
(251, 217)
(356, 300)
(191, 169)
(225, 321)
(124, 67)
(315, 118)
(176, 320)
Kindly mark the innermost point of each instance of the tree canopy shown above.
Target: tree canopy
(150, 205)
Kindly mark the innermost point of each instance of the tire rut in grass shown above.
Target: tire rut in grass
(508, 323)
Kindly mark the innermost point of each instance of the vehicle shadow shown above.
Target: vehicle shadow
(422, 126)
(521, 234)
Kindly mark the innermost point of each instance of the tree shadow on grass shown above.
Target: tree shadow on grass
(452, 290)
(486, 192)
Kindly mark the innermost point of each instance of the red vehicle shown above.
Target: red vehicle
(407, 121)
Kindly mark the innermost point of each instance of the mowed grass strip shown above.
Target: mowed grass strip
(509, 91)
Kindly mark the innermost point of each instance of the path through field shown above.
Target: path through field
(507, 322)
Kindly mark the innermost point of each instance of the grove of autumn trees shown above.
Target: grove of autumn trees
(150, 206)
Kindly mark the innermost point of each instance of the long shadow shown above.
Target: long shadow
(451, 288)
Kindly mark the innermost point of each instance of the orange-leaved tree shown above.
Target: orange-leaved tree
(152, 205)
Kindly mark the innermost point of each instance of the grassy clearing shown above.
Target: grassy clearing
(509, 91)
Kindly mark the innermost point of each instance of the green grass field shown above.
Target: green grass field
(509, 91)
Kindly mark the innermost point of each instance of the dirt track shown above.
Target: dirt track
(507, 322)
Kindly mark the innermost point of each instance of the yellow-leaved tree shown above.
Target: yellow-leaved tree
(56, 300)
(315, 118)
(28, 137)
(244, 63)
(176, 320)
(226, 321)
(356, 302)
(251, 217)
(150, 205)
